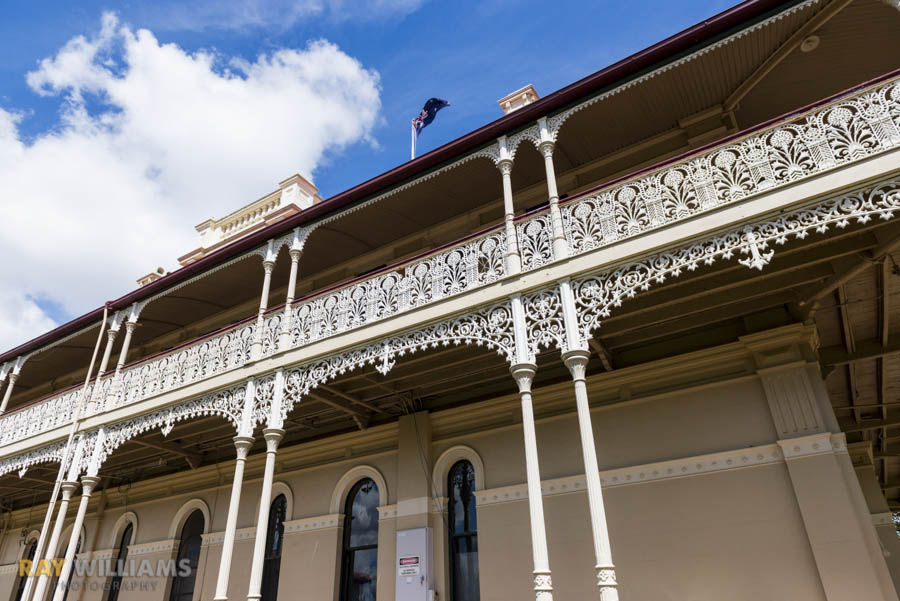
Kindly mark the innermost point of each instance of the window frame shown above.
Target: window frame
(469, 533)
(269, 558)
(348, 552)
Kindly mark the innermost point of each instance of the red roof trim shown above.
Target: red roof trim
(666, 50)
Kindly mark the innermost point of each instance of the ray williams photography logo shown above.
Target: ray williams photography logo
(161, 568)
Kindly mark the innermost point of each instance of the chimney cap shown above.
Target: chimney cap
(516, 100)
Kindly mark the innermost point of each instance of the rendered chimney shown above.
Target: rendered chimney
(518, 99)
(293, 195)
(151, 277)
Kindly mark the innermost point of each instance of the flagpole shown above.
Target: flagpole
(412, 150)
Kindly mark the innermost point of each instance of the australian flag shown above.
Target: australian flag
(428, 112)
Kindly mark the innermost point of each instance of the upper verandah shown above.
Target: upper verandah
(682, 93)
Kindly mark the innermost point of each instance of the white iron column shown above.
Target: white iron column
(68, 488)
(88, 482)
(123, 352)
(543, 586)
(273, 435)
(285, 340)
(577, 361)
(523, 373)
(17, 367)
(268, 267)
(87, 486)
(242, 443)
(576, 358)
(111, 333)
(8, 392)
(560, 246)
(513, 256)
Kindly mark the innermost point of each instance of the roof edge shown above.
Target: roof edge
(667, 50)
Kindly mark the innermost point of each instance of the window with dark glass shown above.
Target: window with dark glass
(188, 549)
(359, 560)
(29, 554)
(121, 564)
(463, 535)
(274, 543)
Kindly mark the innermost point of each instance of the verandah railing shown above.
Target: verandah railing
(842, 131)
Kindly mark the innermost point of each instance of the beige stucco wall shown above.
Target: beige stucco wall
(740, 531)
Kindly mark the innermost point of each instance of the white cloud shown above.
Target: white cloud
(241, 14)
(113, 192)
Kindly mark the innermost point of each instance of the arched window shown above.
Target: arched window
(121, 564)
(28, 554)
(188, 549)
(463, 535)
(274, 544)
(359, 560)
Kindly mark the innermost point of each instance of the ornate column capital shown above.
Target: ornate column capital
(68, 488)
(242, 444)
(505, 166)
(273, 436)
(577, 360)
(88, 484)
(523, 373)
(268, 265)
(546, 148)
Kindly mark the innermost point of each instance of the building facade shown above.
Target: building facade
(634, 339)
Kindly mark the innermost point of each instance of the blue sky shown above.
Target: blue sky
(471, 53)
(105, 160)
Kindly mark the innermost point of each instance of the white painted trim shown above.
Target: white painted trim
(677, 468)
(814, 444)
(387, 512)
(184, 512)
(64, 539)
(322, 522)
(159, 546)
(217, 538)
(448, 459)
(34, 534)
(351, 477)
(280, 488)
(883, 519)
(101, 554)
(129, 517)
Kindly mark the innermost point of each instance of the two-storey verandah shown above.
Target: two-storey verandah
(653, 328)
